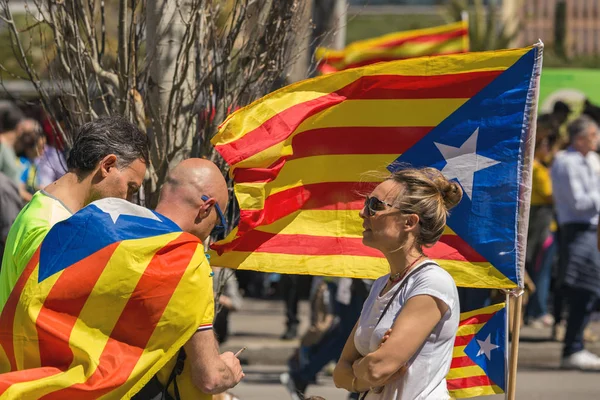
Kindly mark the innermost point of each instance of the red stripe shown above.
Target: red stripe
(464, 361)
(264, 242)
(430, 38)
(137, 321)
(433, 37)
(339, 140)
(282, 125)
(63, 304)
(465, 383)
(463, 340)
(318, 196)
(477, 319)
(7, 318)
(27, 375)
(376, 60)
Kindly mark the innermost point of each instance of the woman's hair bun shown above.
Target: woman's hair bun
(451, 191)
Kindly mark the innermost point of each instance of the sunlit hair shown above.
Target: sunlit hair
(428, 194)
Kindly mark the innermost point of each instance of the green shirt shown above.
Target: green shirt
(25, 236)
(8, 163)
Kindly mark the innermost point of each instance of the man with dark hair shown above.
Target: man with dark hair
(108, 159)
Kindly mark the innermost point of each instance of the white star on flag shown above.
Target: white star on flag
(462, 162)
(486, 346)
(117, 207)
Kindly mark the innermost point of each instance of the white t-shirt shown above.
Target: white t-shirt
(425, 378)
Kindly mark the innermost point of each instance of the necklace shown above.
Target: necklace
(400, 275)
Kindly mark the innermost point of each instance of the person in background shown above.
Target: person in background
(541, 216)
(10, 205)
(30, 146)
(225, 287)
(10, 117)
(576, 171)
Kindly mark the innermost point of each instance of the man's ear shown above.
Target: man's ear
(205, 208)
(107, 163)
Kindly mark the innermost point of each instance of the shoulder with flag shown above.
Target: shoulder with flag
(478, 365)
(107, 300)
(300, 159)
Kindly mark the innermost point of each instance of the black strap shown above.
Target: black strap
(177, 370)
(364, 394)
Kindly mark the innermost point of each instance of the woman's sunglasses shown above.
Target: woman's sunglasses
(373, 205)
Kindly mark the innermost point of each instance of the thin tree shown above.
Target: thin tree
(176, 68)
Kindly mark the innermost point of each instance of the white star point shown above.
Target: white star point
(486, 346)
(462, 162)
(117, 207)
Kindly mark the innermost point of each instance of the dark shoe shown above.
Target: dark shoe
(294, 385)
(290, 333)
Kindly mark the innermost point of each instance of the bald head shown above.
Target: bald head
(181, 196)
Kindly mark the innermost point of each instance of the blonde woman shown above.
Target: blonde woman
(415, 306)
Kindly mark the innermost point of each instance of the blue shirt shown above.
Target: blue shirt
(576, 183)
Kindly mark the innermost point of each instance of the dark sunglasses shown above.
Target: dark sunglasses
(219, 228)
(373, 205)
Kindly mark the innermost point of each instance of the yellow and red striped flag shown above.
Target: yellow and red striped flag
(479, 359)
(299, 156)
(446, 39)
(105, 303)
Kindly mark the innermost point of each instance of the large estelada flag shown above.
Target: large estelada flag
(301, 159)
(479, 358)
(446, 39)
(107, 300)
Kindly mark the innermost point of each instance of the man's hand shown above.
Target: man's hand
(233, 363)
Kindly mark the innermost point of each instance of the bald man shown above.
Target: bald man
(193, 196)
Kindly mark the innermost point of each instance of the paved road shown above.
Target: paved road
(261, 322)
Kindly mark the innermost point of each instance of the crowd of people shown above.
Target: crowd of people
(378, 334)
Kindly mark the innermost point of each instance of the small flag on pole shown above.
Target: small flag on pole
(479, 360)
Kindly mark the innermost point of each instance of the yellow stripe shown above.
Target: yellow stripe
(485, 310)
(482, 275)
(332, 223)
(406, 50)
(195, 293)
(476, 391)
(465, 372)
(458, 351)
(383, 113)
(254, 115)
(26, 313)
(469, 329)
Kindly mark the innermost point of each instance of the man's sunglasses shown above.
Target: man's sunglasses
(374, 205)
(219, 228)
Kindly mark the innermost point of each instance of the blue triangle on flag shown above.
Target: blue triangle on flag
(493, 121)
(490, 341)
(91, 229)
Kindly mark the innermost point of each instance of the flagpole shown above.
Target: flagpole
(514, 349)
(506, 341)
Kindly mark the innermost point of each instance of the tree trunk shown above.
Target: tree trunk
(171, 128)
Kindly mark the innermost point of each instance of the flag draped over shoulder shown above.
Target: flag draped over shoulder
(301, 156)
(479, 359)
(107, 300)
(445, 39)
